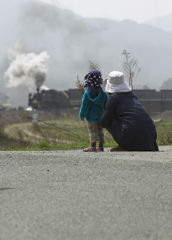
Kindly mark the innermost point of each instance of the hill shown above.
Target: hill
(164, 22)
(72, 40)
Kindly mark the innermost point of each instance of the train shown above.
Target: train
(152, 100)
(53, 99)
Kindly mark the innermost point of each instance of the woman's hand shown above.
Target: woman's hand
(82, 119)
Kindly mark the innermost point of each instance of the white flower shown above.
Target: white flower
(94, 76)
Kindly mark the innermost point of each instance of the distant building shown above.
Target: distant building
(155, 101)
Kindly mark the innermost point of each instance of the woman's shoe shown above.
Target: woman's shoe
(99, 149)
(118, 149)
(90, 149)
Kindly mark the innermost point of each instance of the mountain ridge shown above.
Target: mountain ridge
(72, 40)
(163, 22)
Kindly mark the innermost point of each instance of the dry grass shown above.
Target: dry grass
(93, 66)
(60, 129)
(80, 85)
(15, 132)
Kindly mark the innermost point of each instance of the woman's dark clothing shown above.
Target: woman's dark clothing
(129, 123)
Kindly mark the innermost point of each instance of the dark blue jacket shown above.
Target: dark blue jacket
(92, 109)
(129, 123)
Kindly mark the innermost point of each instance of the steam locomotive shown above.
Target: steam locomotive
(53, 99)
(153, 101)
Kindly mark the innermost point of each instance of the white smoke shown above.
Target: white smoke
(27, 69)
(43, 87)
(13, 51)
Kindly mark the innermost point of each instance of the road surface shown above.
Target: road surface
(72, 195)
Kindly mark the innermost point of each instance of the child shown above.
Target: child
(92, 108)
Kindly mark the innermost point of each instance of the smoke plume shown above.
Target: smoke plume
(27, 69)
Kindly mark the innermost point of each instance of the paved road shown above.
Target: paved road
(71, 195)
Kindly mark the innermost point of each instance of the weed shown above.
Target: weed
(44, 145)
(130, 66)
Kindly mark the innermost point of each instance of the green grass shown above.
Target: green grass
(164, 132)
(44, 145)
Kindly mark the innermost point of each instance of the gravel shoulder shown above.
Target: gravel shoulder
(75, 195)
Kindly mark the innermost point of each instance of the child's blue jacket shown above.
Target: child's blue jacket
(92, 109)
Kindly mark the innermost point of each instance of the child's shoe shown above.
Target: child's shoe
(99, 149)
(90, 149)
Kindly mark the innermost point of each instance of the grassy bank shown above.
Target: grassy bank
(50, 135)
(53, 132)
(62, 132)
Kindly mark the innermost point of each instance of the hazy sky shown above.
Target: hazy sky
(138, 10)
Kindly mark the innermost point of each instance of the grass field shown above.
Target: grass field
(61, 133)
(164, 131)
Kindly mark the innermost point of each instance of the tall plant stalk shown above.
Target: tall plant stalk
(130, 66)
(80, 85)
(93, 66)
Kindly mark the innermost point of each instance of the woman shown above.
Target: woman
(125, 118)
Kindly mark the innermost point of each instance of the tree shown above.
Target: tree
(130, 66)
